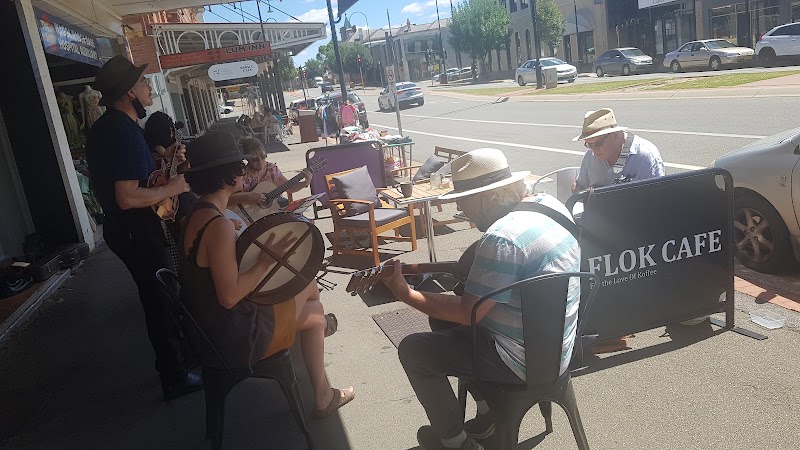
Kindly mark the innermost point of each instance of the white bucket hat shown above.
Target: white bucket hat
(598, 123)
(480, 170)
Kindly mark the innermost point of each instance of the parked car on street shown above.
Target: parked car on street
(766, 178)
(318, 81)
(450, 72)
(225, 109)
(710, 53)
(336, 98)
(460, 74)
(326, 86)
(623, 61)
(407, 93)
(781, 42)
(526, 73)
(298, 105)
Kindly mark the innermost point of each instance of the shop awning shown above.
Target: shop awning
(291, 37)
(585, 22)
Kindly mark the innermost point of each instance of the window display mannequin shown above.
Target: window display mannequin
(90, 107)
(65, 106)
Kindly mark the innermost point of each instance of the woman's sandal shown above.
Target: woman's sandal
(340, 398)
(331, 324)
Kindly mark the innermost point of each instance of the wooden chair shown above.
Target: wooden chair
(376, 220)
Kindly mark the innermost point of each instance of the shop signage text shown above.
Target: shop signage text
(650, 3)
(215, 55)
(65, 40)
(229, 71)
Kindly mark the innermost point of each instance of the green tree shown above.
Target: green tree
(478, 27)
(315, 68)
(349, 53)
(550, 22)
(285, 68)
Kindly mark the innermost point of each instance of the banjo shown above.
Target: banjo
(166, 209)
(254, 212)
(295, 269)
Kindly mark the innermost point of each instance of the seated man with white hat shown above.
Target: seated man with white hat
(517, 244)
(615, 155)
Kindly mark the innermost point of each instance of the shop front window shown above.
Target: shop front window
(587, 47)
(730, 22)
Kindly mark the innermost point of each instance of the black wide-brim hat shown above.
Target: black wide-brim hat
(115, 78)
(213, 149)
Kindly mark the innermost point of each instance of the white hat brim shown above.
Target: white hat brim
(515, 176)
(581, 137)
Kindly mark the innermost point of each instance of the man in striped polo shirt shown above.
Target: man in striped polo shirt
(516, 245)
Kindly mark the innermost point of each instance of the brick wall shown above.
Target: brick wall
(139, 32)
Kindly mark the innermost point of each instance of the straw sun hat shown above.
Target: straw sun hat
(598, 123)
(480, 170)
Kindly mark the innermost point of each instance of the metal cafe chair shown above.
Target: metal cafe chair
(544, 302)
(563, 178)
(219, 378)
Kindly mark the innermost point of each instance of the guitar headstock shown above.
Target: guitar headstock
(364, 280)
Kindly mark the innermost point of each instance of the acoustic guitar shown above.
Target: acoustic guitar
(364, 280)
(253, 212)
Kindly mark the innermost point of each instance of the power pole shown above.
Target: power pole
(538, 45)
(335, 41)
(577, 36)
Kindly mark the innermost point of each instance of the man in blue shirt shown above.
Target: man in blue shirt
(615, 155)
(120, 164)
(516, 244)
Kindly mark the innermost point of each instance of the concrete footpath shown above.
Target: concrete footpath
(81, 375)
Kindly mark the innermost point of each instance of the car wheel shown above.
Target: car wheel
(760, 235)
(767, 57)
(626, 70)
(573, 80)
(714, 63)
(421, 102)
(599, 72)
(676, 66)
(520, 81)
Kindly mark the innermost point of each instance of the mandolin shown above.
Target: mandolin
(364, 280)
(253, 212)
(166, 209)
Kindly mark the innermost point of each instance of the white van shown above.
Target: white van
(318, 81)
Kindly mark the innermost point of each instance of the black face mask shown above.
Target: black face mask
(140, 111)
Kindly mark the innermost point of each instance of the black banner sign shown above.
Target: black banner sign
(663, 250)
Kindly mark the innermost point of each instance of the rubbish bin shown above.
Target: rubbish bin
(550, 77)
(442, 78)
(307, 121)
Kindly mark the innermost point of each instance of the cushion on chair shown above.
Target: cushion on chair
(356, 185)
(382, 217)
(430, 166)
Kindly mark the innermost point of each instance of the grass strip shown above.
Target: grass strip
(590, 88)
(490, 91)
(727, 80)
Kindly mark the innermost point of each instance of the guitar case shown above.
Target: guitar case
(63, 257)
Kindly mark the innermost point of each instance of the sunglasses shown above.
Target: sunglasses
(596, 144)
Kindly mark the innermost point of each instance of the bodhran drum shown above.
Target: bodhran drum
(295, 270)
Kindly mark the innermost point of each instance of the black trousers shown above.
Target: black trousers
(429, 358)
(143, 254)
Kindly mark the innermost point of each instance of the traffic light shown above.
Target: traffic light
(359, 61)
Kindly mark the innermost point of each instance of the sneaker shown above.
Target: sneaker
(428, 440)
(481, 427)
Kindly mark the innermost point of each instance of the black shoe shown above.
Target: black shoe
(428, 440)
(192, 383)
(481, 427)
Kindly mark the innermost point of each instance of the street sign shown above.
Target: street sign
(229, 71)
(390, 74)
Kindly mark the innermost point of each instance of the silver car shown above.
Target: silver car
(710, 53)
(623, 61)
(526, 73)
(766, 177)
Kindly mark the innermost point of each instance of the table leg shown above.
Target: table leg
(430, 233)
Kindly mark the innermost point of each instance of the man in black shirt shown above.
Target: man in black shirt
(120, 164)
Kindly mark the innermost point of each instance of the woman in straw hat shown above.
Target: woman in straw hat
(516, 244)
(213, 289)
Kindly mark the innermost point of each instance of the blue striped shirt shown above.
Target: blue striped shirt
(520, 245)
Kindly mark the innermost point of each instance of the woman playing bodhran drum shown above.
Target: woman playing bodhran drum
(214, 291)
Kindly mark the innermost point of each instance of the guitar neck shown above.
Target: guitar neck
(366, 278)
(275, 193)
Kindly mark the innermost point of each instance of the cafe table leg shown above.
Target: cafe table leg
(430, 232)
